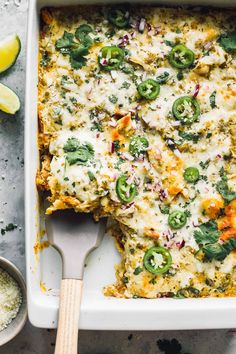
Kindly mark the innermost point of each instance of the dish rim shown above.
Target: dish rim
(105, 313)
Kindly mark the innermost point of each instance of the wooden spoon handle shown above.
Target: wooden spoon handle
(68, 322)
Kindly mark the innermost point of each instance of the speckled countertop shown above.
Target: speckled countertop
(13, 18)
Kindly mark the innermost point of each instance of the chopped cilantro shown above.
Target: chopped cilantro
(180, 76)
(169, 43)
(138, 270)
(212, 99)
(116, 145)
(113, 99)
(190, 136)
(203, 177)
(97, 126)
(125, 280)
(125, 85)
(9, 227)
(110, 33)
(91, 176)
(187, 213)
(162, 79)
(204, 164)
(127, 69)
(64, 80)
(164, 209)
(118, 163)
(45, 59)
(66, 179)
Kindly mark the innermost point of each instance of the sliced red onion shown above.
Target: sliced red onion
(207, 45)
(163, 194)
(112, 147)
(113, 74)
(113, 123)
(127, 156)
(149, 27)
(158, 153)
(97, 135)
(124, 41)
(218, 156)
(157, 187)
(142, 24)
(133, 124)
(146, 120)
(127, 206)
(176, 123)
(196, 91)
(170, 233)
(177, 152)
(180, 244)
(194, 224)
(103, 61)
(133, 34)
(157, 30)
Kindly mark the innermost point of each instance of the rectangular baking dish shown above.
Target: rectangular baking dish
(44, 267)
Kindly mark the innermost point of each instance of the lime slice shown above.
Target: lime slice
(9, 101)
(9, 51)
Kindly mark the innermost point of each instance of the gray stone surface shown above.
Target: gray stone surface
(13, 17)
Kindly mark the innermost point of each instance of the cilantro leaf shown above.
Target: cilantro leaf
(223, 188)
(82, 35)
(77, 52)
(207, 233)
(71, 145)
(65, 43)
(76, 153)
(215, 251)
(228, 41)
(230, 244)
(77, 58)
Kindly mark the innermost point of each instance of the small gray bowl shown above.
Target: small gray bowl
(18, 322)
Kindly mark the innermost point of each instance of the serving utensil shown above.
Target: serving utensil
(74, 235)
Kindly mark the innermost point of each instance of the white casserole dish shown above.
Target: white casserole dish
(97, 311)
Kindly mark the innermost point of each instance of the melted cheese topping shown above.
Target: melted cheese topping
(103, 109)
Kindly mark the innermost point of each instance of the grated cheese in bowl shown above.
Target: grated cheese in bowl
(10, 299)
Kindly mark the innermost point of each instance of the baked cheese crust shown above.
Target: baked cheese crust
(90, 116)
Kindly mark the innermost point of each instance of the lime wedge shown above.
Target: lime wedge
(9, 101)
(9, 51)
